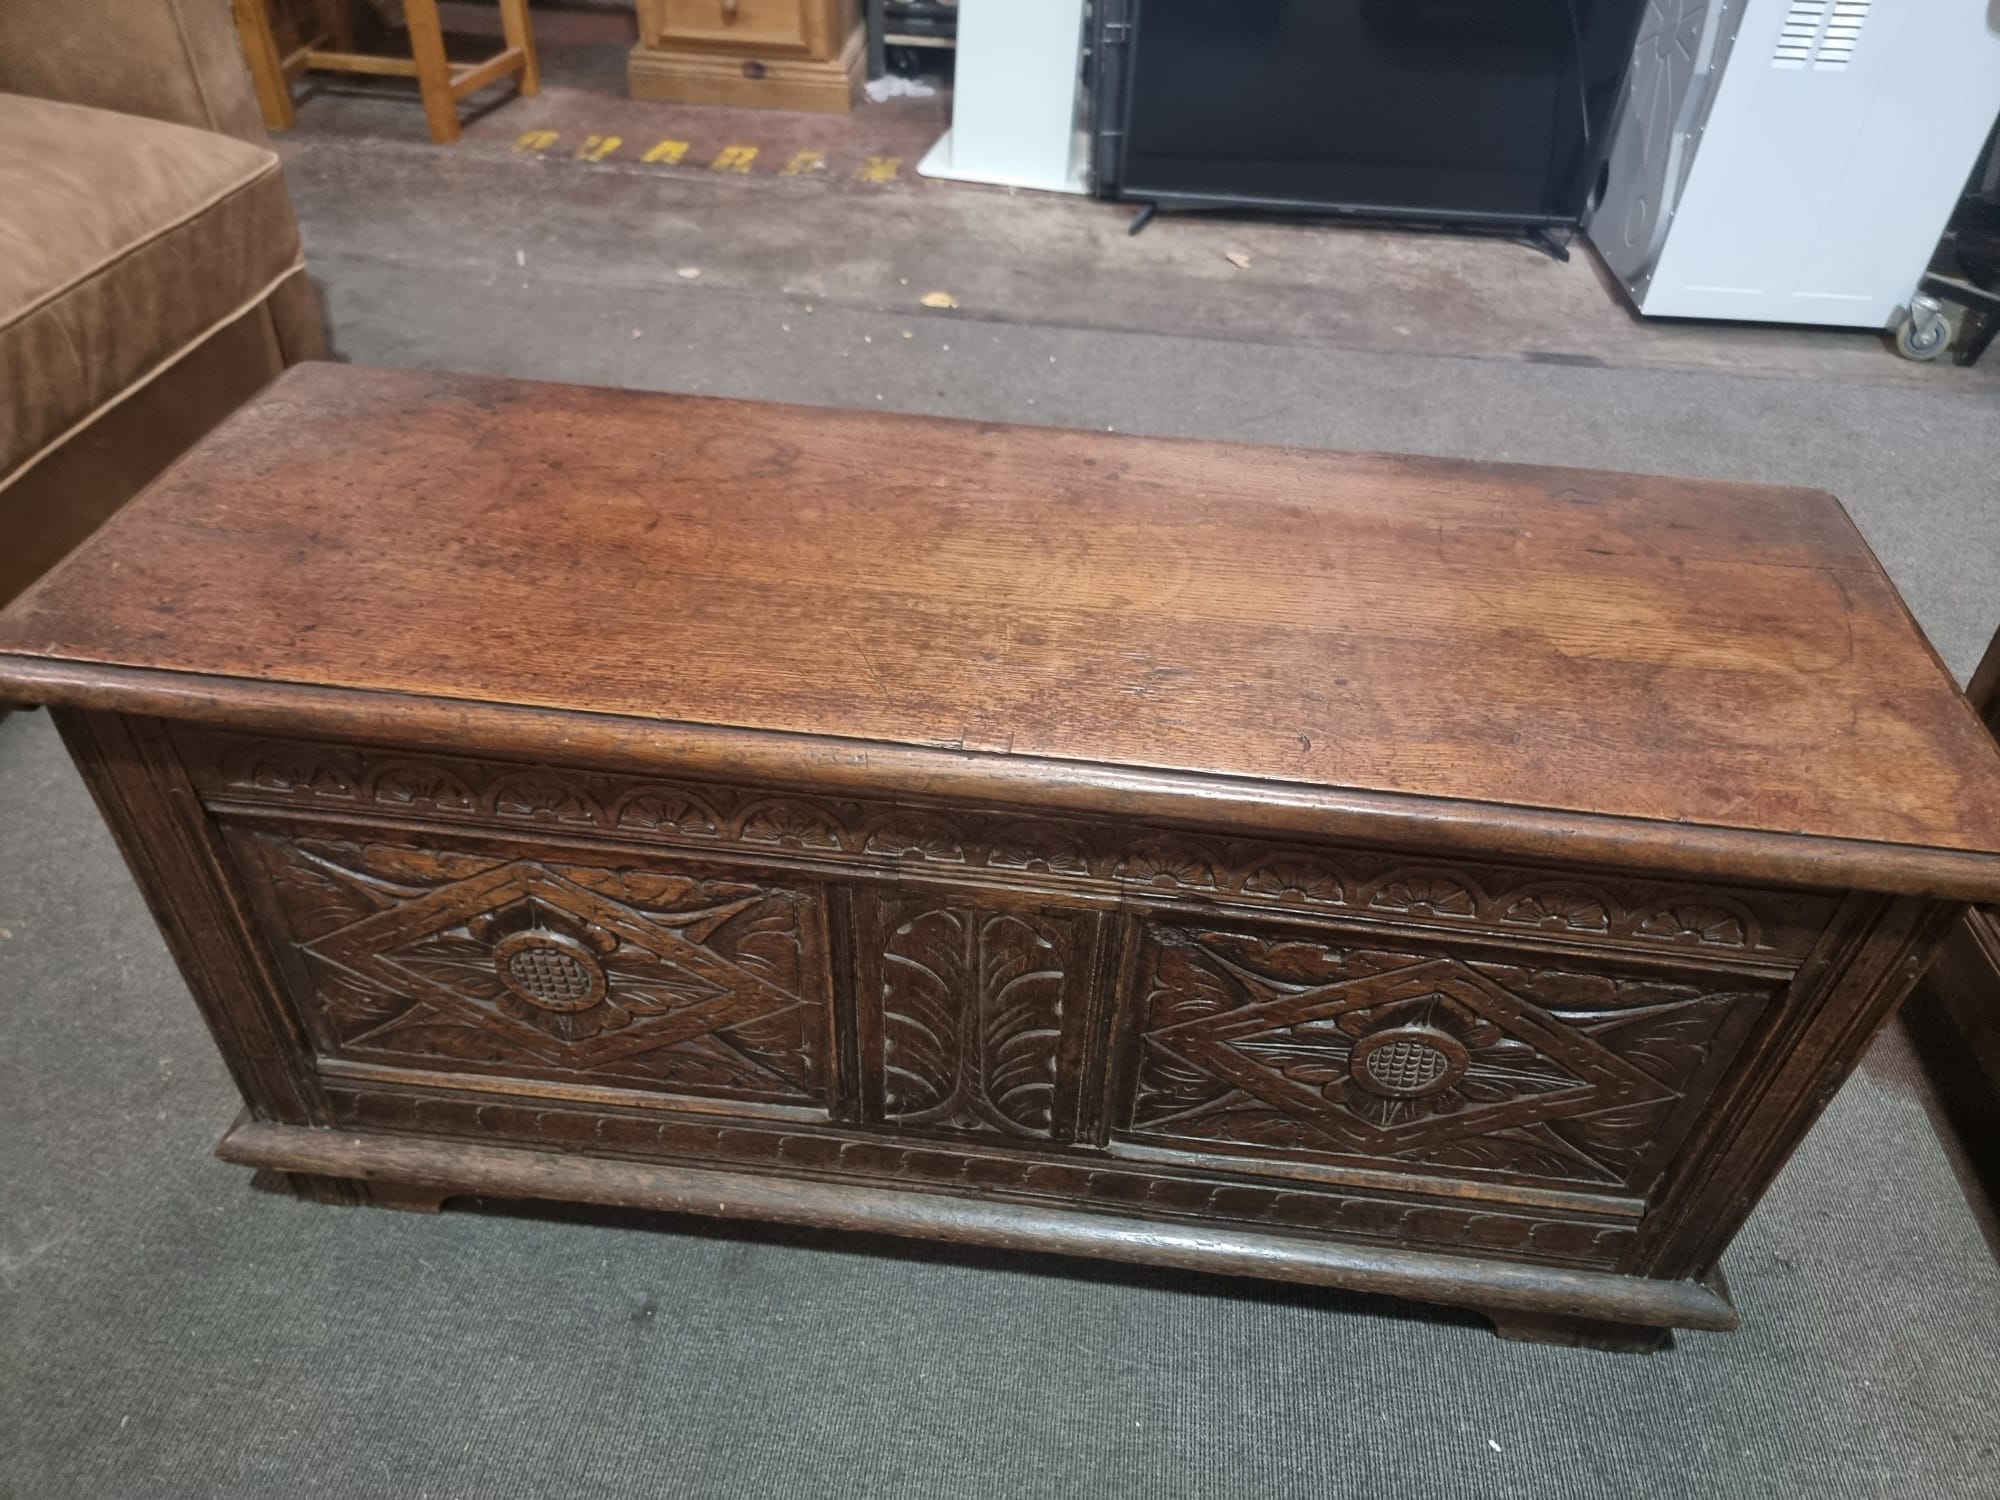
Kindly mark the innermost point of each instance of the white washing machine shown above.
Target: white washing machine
(1795, 161)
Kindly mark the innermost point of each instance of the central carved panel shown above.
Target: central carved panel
(1291, 1042)
(971, 1013)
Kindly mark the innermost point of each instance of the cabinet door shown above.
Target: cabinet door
(514, 960)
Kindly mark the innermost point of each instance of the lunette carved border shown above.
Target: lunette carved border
(1511, 902)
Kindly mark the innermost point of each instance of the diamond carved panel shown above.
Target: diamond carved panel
(1270, 1041)
(691, 982)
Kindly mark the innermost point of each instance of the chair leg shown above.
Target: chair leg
(521, 33)
(433, 69)
(267, 68)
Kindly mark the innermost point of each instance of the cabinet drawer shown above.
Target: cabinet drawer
(537, 962)
(761, 25)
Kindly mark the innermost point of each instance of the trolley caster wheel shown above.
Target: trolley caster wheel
(1925, 333)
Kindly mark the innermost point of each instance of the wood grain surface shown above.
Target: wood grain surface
(1640, 648)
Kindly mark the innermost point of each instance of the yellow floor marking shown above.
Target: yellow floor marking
(879, 169)
(534, 140)
(669, 152)
(597, 147)
(733, 159)
(805, 161)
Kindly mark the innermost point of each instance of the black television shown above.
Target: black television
(1490, 113)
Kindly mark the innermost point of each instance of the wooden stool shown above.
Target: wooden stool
(441, 82)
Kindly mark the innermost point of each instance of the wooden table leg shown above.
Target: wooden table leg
(267, 68)
(514, 23)
(433, 70)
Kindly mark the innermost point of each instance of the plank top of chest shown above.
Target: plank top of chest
(1693, 676)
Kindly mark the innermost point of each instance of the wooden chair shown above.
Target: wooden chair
(441, 82)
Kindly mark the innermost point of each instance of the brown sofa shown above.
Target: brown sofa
(150, 272)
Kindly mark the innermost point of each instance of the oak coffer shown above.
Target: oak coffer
(1456, 881)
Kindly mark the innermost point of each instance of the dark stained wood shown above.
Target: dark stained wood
(415, 1200)
(1955, 1016)
(1645, 649)
(1579, 1333)
(1983, 692)
(818, 761)
(1251, 861)
(1870, 958)
(171, 849)
(414, 1166)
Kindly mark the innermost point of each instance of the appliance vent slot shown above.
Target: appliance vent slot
(1819, 34)
(1800, 34)
(1843, 30)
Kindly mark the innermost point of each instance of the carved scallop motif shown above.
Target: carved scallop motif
(284, 769)
(1181, 863)
(665, 811)
(1423, 893)
(420, 784)
(1706, 922)
(1294, 878)
(1053, 848)
(913, 836)
(789, 824)
(1560, 908)
(545, 798)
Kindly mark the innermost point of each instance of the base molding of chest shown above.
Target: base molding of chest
(406, 1167)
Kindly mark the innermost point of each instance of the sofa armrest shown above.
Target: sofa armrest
(174, 60)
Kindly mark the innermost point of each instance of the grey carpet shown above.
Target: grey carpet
(165, 1331)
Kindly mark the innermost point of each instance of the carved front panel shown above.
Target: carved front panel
(972, 1015)
(1312, 1013)
(1340, 1046)
(681, 979)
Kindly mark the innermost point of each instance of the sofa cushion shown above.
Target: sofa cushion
(123, 243)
